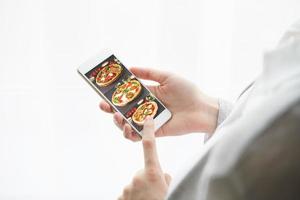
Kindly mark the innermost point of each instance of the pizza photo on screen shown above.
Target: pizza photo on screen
(126, 92)
(108, 73)
(148, 108)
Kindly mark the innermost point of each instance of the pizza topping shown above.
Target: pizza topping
(129, 95)
(126, 93)
(108, 74)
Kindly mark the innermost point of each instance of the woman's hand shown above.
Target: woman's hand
(192, 111)
(149, 183)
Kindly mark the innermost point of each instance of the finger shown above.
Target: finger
(150, 74)
(130, 134)
(118, 120)
(168, 178)
(105, 107)
(149, 146)
(118, 125)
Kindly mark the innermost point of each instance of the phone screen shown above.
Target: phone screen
(124, 91)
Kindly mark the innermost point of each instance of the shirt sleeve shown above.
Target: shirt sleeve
(242, 180)
(225, 108)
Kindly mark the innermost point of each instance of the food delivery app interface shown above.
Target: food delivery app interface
(124, 91)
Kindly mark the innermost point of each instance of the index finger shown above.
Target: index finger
(149, 146)
(103, 105)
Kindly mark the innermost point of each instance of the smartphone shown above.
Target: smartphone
(123, 91)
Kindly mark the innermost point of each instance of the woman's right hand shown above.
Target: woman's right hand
(192, 111)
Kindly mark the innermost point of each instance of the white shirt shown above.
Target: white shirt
(273, 92)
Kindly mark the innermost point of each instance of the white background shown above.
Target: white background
(54, 141)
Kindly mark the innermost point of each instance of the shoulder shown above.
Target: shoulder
(268, 167)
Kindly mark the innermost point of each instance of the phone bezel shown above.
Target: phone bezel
(85, 67)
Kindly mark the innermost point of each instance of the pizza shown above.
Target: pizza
(149, 108)
(126, 92)
(108, 74)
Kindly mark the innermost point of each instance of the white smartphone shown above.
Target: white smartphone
(123, 91)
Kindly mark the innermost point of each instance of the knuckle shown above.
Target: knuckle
(137, 182)
(152, 174)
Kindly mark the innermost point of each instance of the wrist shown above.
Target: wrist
(208, 111)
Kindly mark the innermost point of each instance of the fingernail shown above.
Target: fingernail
(148, 118)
